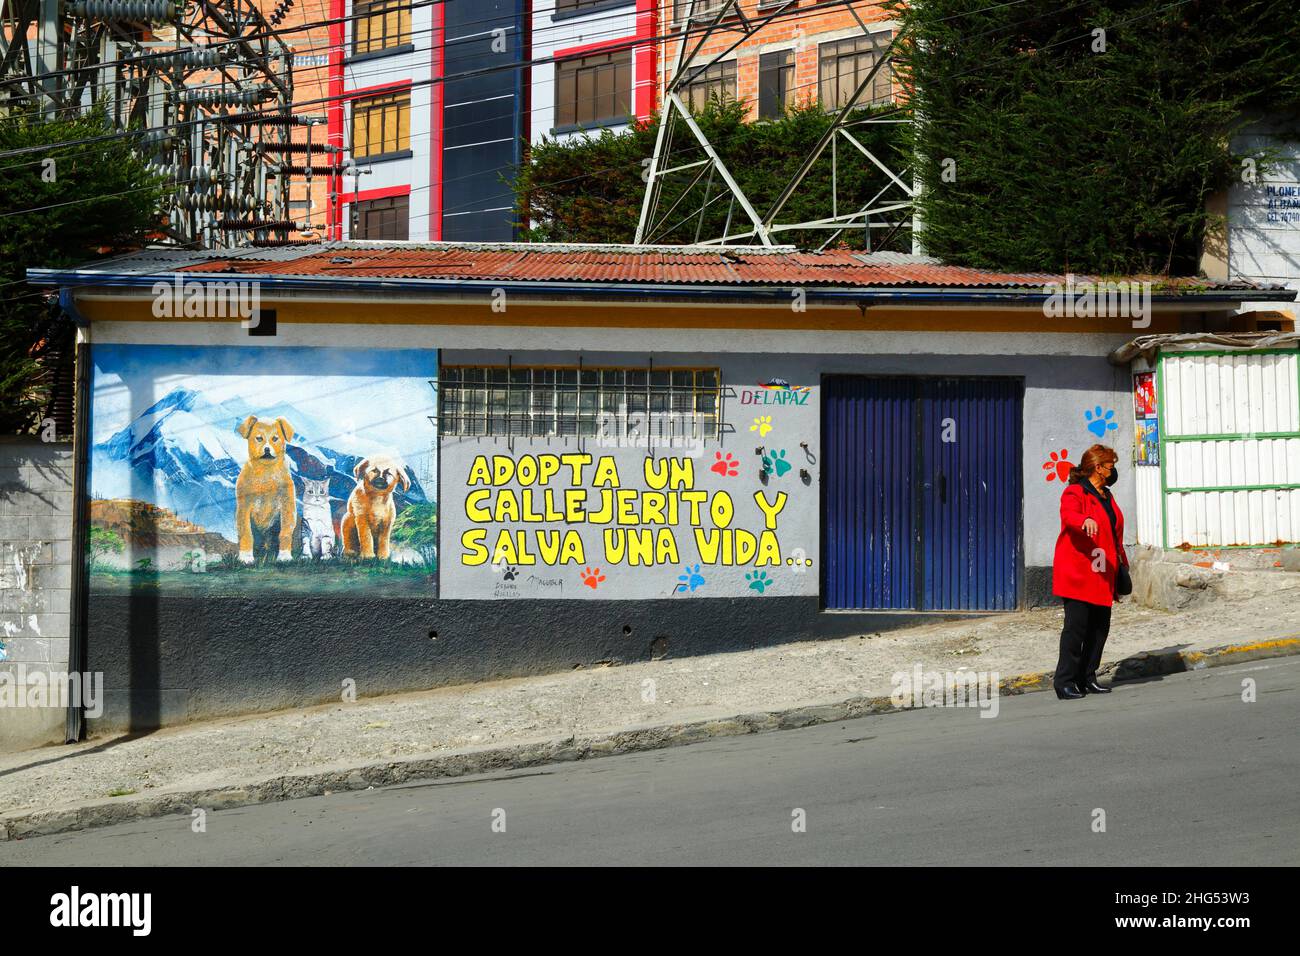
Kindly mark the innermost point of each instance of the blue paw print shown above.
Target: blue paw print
(691, 580)
(774, 461)
(759, 581)
(1098, 423)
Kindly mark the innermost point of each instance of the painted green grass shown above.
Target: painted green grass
(298, 577)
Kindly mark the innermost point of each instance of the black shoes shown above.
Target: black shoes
(1095, 688)
(1069, 692)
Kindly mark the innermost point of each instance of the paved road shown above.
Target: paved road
(1186, 773)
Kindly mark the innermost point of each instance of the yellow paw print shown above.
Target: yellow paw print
(762, 425)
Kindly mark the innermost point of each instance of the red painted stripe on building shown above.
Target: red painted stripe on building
(647, 57)
(589, 48)
(334, 112)
(379, 88)
(383, 192)
(437, 40)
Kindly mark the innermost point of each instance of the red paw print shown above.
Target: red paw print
(592, 578)
(727, 467)
(1057, 467)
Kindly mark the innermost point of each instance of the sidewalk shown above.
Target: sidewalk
(525, 722)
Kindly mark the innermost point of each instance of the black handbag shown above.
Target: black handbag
(1123, 582)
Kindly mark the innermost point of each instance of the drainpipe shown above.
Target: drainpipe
(78, 645)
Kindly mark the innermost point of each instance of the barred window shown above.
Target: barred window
(659, 404)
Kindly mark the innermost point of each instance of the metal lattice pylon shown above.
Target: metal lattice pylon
(762, 229)
(206, 83)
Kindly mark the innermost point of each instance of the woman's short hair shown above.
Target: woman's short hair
(1094, 456)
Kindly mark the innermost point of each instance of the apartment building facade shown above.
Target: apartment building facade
(431, 103)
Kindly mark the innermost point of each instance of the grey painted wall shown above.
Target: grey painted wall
(35, 579)
(1061, 391)
(167, 659)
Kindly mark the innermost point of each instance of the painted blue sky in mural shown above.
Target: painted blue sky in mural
(165, 418)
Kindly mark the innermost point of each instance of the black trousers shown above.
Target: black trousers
(1082, 639)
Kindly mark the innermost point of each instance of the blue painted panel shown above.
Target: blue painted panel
(869, 452)
(970, 494)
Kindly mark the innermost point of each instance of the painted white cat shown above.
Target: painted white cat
(317, 521)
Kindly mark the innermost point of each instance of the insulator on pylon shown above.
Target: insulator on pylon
(315, 170)
(222, 97)
(198, 56)
(207, 202)
(273, 119)
(298, 148)
(280, 12)
(146, 10)
(232, 224)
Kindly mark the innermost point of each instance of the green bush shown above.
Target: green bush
(1070, 157)
(92, 199)
(589, 188)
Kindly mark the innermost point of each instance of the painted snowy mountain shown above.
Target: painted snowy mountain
(183, 453)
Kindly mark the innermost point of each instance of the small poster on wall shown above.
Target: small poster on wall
(1144, 395)
(1147, 441)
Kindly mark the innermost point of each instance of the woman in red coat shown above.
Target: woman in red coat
(1089, 553)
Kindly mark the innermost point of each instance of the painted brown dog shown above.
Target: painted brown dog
(368, 521)
(264, 490)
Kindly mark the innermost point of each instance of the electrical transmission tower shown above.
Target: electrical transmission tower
(204, 88)
(890, 208)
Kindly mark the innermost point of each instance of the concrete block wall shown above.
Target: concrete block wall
(35, 579)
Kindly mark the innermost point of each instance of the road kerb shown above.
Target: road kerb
(30, 823)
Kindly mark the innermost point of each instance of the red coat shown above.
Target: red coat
(1074, 568)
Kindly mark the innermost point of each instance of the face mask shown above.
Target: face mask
(1113, 476)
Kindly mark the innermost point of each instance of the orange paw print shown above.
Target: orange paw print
(1057, 467)
(592, 578)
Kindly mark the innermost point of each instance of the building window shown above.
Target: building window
(703, 8)
(718, 82)
(573, 6)
(593, 89)
(843, 64)
(616, 404)
(775, 83)
(381, 125)
(382, 218)
(380, 25)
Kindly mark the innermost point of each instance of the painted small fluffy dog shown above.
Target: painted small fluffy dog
(264, 491)
(368, 521)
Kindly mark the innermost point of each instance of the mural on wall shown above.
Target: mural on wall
(639, 518)
(233, 469)
(613, 517)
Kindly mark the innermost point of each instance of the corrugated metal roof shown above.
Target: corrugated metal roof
(625, 266)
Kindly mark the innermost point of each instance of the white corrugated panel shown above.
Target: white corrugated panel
(1223, 394)
(1223, 518)
(1244, 394)
(1148, 505)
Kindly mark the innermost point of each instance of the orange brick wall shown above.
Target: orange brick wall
(800, 26)
(310, 83)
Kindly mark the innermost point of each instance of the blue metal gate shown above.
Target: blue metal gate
(921, 493)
